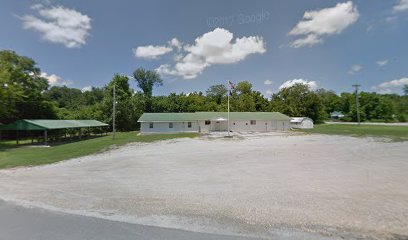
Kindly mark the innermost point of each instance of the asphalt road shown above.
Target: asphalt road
(37, 224)
(371, 123)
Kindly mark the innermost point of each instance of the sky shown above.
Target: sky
(195, 44)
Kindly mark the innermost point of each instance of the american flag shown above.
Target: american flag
(232, 85)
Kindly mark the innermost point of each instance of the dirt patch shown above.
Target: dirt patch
(252, 184)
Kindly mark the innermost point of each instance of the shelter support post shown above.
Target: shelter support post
(17, 140)
(80, 133)
(45, 137)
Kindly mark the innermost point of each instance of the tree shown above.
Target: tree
(125, 108)
(261, 103)
(376, 107)
(22, 87)
(244, 99)
(330, 100)
(65, 97)
(242, 102)
(146, 80)
(94, 96)
(217, 92)
(298, 101)
(405, 88)
(244, 87)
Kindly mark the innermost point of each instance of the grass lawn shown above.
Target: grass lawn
(396, 133)
(12, 155)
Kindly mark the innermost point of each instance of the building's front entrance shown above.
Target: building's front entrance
(219, 125)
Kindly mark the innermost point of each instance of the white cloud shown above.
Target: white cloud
(52, 79)
(86, 89)
(59, 24)
(268, 82)
(391, 19)
(312, 84)
(309, 40)
(55, 80)
(36, 6)
(391, 86)
(269, 92)
(66, 82)
(177, 57)
(315, 25)
(151, 52)
(382, 63)
(175, 43)
(355, 69)
(215, 47)
(402, 5)
(370, 28)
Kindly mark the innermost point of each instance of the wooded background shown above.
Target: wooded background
(24, 94)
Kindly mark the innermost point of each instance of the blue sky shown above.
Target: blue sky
(272, 44)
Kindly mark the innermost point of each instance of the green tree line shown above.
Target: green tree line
(25, 94)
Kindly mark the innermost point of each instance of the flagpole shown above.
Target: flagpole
(229, 93)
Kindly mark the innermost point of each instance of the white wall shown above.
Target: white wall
(260, 126)
(306, 123)
(282, 125)
(163, 127)
(240, 126)
(204, 128)
(243, 126)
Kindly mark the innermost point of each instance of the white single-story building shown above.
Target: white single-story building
(213, 121)
(301, 122)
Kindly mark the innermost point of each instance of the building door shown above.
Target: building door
(217, 126)
(220, 126)
(274, 125)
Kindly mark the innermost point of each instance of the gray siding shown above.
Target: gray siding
(163, 127)
(235, 126)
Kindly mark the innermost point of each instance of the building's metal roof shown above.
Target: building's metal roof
(243, 116)
(46, 124)
(299, 119)
(185, 117)
(168, 117)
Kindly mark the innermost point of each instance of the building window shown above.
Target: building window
(207, 122)
(150, 125)
(189, 124)
(170, 125)
(253, 122)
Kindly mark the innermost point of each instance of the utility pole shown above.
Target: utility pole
(114, 111)
(229, 92)
(357, 105)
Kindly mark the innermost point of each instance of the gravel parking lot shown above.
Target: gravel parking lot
(253, 184)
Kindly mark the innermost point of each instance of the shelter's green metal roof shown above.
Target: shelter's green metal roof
(46, 124)
(184, 117)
